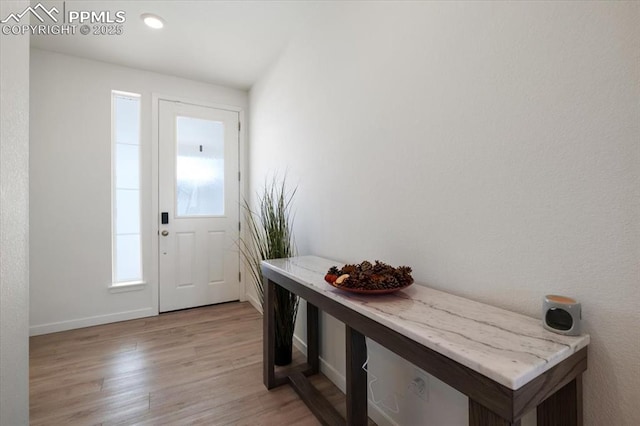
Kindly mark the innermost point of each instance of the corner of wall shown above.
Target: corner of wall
(14, 223)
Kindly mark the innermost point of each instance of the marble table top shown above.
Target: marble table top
(510, 348)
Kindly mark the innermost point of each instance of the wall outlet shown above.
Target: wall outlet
(419, 386)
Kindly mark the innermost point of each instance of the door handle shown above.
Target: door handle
(165, 233)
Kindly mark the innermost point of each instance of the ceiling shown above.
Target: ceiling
(230, 43)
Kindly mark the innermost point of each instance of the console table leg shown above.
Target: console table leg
(313, 338)
(269, 335)
(563, 407)
(479, 415)
(356, 378)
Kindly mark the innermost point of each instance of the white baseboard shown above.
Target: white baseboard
(53, 327)
(375, 412)
(254, 302)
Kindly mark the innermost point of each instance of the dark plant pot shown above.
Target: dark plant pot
(283, 354)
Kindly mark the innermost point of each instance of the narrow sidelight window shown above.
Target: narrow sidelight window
(125, 163)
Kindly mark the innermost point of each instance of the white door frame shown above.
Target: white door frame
(155, 211)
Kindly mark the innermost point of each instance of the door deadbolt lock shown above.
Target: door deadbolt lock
(165, 233)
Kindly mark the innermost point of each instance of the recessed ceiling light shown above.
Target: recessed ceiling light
(153, 21)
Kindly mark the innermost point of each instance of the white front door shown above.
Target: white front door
(198, 204)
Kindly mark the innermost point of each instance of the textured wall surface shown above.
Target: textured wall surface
(14, 224)
(493, 147)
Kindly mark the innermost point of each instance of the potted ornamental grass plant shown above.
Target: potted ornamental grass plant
(269, 235)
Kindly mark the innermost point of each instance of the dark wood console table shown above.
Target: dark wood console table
(506, 363)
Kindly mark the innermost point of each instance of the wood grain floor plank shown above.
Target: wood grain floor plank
(197, 366)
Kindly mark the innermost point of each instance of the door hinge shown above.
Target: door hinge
(238, 176)
(239, 276)
(239, 224)
(239, 126)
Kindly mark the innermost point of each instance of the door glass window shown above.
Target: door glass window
(199, 167)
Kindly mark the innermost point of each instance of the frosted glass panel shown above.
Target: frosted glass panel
(199, 167)
(127, 118)
(127, 166)
(128, 211)
(128, 258)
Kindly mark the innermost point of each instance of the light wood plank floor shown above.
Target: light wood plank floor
(199, 366)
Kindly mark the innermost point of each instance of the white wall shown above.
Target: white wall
(71, 187)
(14, 224)
(493, 147)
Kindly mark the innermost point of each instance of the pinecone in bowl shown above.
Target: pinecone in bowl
(367, 277)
